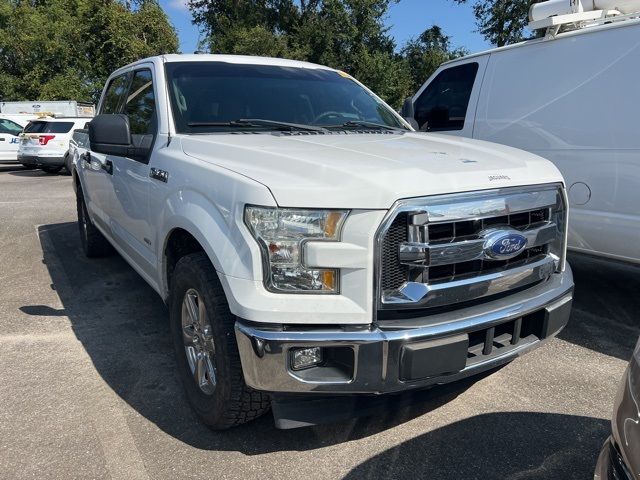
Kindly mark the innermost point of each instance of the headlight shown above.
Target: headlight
(281, 233)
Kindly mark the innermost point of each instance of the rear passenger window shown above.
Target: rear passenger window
(114, 96)
(58, 127)
(140, 105)
(443, 104)
(35, 127)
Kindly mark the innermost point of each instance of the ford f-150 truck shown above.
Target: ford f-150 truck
(310, 244)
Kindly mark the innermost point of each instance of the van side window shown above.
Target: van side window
(443, 104)
(140, 105)
(115, 93)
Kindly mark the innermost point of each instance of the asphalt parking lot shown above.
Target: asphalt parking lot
(88, 387)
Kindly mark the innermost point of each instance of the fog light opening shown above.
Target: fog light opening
(303, 358)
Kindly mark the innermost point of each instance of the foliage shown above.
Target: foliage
(426, 53)
(349, 35)
(501, 21)
(65, 49)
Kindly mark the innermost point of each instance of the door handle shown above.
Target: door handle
(158, 174)
(96, 165)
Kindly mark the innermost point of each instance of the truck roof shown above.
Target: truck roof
(581, 31)
(238, 59)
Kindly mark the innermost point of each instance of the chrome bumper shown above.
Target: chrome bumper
(406, 354)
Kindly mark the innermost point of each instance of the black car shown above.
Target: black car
(620, 455)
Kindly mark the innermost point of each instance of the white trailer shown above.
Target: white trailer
(59, 108)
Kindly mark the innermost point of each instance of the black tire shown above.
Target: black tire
(231, 402)
(68, 164)
(94, 244)
(51, 170)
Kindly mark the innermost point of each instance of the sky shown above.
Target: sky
(407, 19)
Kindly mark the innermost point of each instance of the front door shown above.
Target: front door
(129, 208)
(97, 171)
(446, 103)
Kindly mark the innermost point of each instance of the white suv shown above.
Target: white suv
(45, 143)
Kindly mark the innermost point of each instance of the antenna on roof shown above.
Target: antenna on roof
(554, 14)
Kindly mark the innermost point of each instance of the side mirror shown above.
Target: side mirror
(408, 113)
(407, 108)
(413, 122)
(110, 134)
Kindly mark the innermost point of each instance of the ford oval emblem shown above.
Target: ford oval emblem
(503, 244)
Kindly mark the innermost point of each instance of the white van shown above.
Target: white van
(571, 97)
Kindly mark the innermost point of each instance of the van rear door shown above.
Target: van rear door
(447, 102)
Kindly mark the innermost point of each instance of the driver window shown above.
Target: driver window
(140, 104)
(443, 104)
(9, 127)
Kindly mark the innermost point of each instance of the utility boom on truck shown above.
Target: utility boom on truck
(553, 15)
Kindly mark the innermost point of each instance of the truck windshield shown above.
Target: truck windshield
(221, 97)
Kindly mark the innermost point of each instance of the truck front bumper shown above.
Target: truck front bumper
(400, 355)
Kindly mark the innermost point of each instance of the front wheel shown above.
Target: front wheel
(68, 164)
(207, 354)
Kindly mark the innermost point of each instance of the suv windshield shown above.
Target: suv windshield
(222, 97)
(48, 127)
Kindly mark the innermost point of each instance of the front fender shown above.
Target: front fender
(217, 228)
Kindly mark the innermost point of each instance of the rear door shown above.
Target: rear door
(129, 208)
(9, 140)
(447, 102)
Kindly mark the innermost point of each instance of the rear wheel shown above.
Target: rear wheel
(93, 242)
(68, 164)
(51, 170)
(207, 354)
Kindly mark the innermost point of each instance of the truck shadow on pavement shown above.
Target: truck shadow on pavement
(123, 326)
(514, 445)
(11, 168)
(605, 314)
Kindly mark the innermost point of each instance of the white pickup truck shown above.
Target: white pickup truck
(308, 242)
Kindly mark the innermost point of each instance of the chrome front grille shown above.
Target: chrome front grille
(435, 251)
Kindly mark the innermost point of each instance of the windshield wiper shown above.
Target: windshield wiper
(367, 125)
(259, 122)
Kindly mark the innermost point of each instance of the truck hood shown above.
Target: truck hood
(368, 171)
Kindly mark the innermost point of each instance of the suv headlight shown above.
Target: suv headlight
(281, 234)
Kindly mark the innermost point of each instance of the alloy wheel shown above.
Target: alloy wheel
(197, 336)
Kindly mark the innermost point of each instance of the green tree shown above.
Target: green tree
(423, 55)
(501, 21)
(349, 35)
(65, 49)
